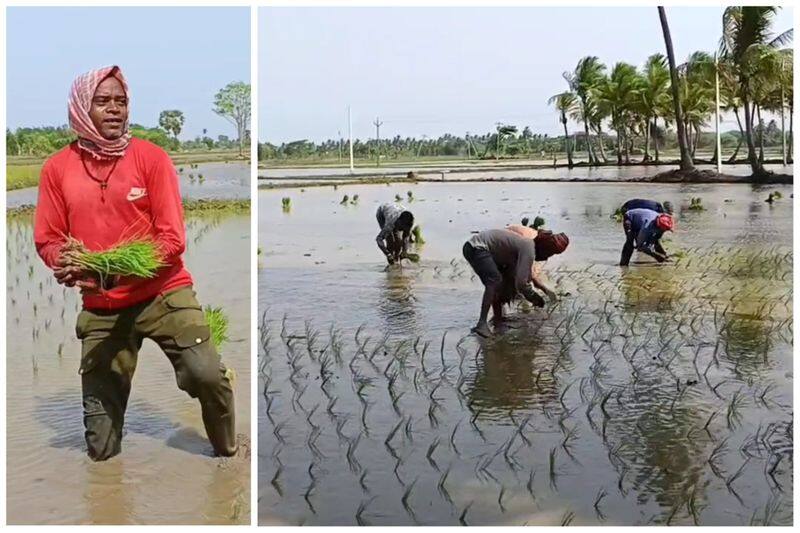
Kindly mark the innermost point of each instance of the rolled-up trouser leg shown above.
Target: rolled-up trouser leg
(108, 361)
(177, 323)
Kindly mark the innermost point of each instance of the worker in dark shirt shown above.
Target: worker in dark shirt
(503, 261)
(643, 231)
(639, 203)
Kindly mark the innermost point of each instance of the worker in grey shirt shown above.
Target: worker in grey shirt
(502, 260)
(396, 224)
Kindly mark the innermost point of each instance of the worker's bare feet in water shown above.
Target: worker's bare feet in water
(483, 330)
(242, 454)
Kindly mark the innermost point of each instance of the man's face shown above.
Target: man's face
(109, 111)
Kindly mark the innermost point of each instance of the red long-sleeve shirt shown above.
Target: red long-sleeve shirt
(142, 198)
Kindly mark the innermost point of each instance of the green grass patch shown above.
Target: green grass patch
(22, 176)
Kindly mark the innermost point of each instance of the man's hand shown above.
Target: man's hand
(532, 296)
(552, 295)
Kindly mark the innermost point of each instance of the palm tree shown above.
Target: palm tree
(503, 131)
(655, 94)
(621, 93)
(565, 103)
(697, 95)
(686, 160)
(581, 82)
(746, 42)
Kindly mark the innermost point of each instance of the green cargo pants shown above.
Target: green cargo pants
(111, 342)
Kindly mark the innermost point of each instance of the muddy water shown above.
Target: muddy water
(166, 473)
(220, 180)
(540, 174)
(657, 394)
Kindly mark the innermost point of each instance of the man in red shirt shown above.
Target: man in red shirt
(101, 190)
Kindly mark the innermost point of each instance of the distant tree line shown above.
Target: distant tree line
(231, 103)
(47, 140)
(499, 144)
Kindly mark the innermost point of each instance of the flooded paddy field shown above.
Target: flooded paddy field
(219, 180)
(166, 473)
(656, 394)
(463, 172)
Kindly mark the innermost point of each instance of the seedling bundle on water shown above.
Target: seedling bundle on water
(139, 258)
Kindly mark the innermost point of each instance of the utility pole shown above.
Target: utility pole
(716, 114)
(350, 135)
(377, 124)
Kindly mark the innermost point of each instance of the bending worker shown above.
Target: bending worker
(643, 231)
(396, 223)
(547, 244)
(503, 261)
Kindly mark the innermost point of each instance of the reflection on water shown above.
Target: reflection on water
(165, 473)
(652, 394)
(396, 303)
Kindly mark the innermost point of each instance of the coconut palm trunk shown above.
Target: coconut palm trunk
(592, 159)
(655, 137)
(566, 140)
(760, 135)
(646, 141)
(686, 160)
(755, 165)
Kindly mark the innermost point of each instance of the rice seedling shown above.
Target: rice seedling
(139, 258)
(345, 200)
(416, 232)
(286, 204)
(217, 322)
(397, 197)
(696, 204)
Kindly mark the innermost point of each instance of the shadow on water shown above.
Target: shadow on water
(63, 414)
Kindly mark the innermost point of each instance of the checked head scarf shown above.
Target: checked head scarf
(80, 102)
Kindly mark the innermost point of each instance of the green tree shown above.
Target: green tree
(565, 103)
(655, 98)
(172, 121)
(586, 76)
(622, 94)
(233, 104)
(747, 42)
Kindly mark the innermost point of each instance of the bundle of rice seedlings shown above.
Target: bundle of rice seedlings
(696, 204)
(417, 233)
(397, 197)
(218, 324)
(538, 222)
(355, 199)
(139, 258)
(414, 258)
(345, 199)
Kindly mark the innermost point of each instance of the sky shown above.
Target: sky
(430, 71)
(173, 58)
